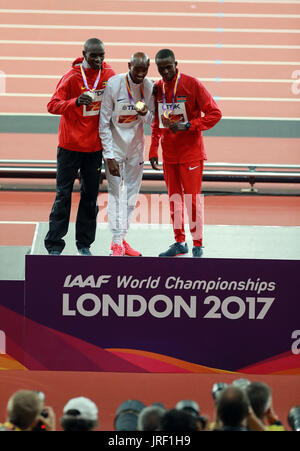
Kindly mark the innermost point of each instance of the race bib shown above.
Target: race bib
(178, 114)
(126, 113)
(94, 108)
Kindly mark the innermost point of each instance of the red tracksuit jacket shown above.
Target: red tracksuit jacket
(184, 146)
(79, 126)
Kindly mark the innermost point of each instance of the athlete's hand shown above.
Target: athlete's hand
(177, 127)
(154, 163)
(113, 167)
(83, 99)
(173, 126)
(166, 122)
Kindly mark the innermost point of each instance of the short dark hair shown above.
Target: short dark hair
(70, 424)
(164, 53)
(178, 420)
(232, 406)
(259, 395)
(149, 418)
(92, 42)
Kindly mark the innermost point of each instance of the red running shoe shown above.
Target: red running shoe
(117, 250)
(129, 251)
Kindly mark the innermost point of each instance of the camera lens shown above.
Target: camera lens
(44, 413)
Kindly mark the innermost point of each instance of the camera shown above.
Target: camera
(294, 418)
(192, 407)
(40, 425)
(217, 388)
(44, 413)
(241, 383)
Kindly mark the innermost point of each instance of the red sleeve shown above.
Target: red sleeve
(61, 102)
(111, 73)
(207, 105)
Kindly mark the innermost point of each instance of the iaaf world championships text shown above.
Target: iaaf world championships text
(171, 282)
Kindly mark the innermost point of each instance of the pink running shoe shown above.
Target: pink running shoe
(129, 251)
(117, 250)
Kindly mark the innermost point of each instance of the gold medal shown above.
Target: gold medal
(140, 106)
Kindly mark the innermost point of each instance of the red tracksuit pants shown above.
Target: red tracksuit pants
(184, 182)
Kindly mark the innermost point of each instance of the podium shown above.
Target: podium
(227, 313)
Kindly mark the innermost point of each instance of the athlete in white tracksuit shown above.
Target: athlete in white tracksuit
(121, 129)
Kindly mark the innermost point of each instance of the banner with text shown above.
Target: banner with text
(162, 315)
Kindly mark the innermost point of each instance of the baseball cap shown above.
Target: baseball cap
(127, 415)
(87, 409)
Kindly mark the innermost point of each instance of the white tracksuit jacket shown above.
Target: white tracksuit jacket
(121, 131)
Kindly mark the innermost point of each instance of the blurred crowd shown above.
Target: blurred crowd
(240, 406)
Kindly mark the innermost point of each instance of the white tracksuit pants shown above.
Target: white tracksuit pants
(122, 196)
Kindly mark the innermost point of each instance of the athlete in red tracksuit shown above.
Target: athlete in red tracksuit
(183, 109)
(77, 99)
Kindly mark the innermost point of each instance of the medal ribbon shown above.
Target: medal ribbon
(166, 112)
(130, 92)
(85, 80)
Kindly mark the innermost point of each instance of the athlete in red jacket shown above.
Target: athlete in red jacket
(183, 109)
(77, 99)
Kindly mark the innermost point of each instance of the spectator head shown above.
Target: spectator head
(127, 414)
(192, 407)
(23, 408)
(178, 421)
(79, 414)
(260, 398)
(149, 418)
(232, 407)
